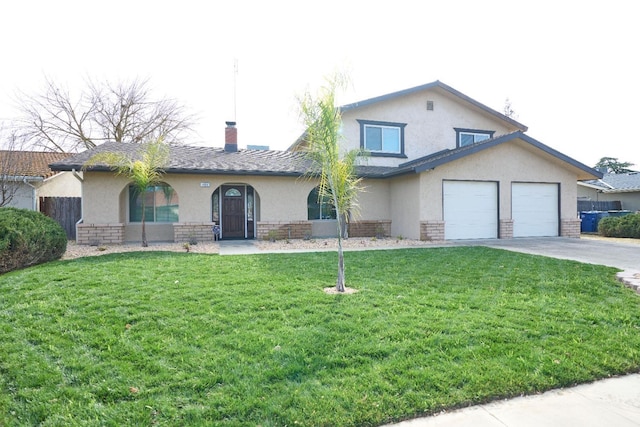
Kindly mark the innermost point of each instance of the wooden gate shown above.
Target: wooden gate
(67, 211)
(593, 205)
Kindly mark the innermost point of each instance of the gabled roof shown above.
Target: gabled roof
(437, 85)
(29, 164)
(616, 183)
(445, 156)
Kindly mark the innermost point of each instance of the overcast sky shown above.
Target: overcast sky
(570, 68)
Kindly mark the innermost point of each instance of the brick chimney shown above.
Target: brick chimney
(231, 137)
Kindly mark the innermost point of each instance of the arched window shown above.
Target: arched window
(319, 207)
(161, 204)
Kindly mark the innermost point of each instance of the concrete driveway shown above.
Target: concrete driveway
(620, 253)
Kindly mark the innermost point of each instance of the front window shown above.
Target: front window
(382, 138)
(466, 137)
(160, 204)
(319, 207)
(215, 206)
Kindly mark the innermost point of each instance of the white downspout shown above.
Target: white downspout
(33, 194)
(79, 178)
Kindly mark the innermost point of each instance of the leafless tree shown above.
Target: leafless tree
(12, 165)
(58, 120)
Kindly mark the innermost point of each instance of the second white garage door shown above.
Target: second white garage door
(534, 209)
(470, 209)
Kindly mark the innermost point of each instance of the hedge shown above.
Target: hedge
(28, 238)
(620, 226)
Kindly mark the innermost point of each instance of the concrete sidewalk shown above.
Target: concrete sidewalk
(238, 247)
(610, 402)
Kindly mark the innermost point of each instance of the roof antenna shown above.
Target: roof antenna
(235, 75)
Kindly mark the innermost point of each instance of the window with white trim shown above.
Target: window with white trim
(382, 138)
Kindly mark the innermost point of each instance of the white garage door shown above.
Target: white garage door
(470, 209)
(534, 209)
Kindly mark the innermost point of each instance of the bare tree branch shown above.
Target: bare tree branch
(122, 112)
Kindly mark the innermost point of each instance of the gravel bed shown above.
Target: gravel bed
(76, 251)
(350, 243)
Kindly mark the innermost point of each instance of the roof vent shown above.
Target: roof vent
(429, 105)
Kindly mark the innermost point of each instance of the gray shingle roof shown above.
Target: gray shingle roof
(618, 183)
(446, 156)
(208, 160)
(204, 160)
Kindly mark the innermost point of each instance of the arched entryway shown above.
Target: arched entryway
(234, 208)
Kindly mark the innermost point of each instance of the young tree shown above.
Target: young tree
(144, 171)
(335, 170)
(613, 166)
(58, 120)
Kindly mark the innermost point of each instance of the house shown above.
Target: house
(25, 177)
(622, 187)
(441, 166)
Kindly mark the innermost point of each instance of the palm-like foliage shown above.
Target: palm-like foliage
(145, 170)
(335, 170)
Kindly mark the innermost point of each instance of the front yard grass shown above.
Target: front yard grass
(188, 339)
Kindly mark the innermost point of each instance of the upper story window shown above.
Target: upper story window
(160, 204)
(382, 138)
(466, 137)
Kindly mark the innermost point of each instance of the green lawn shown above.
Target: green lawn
(187, 339)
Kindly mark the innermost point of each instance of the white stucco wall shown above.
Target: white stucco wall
(281, 198)
(405, 196)
(23, 196)
(373, 202)
(63, 184)
(426, 131)
(505, 164)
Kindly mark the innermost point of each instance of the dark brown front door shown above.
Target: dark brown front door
(233, 216)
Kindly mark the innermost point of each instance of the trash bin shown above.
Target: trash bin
(589, 221)
(619, 213)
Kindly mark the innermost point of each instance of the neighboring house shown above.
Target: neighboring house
(25, 176)
(622, 187)
(441, 166)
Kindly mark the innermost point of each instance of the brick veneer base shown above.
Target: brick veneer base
(284, 229)
(432, 231)
(193, 232)
(506, 229)
(570, 227)
(98, 234)
(370, 228)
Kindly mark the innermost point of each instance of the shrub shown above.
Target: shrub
(28, 238)
(620, 226)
